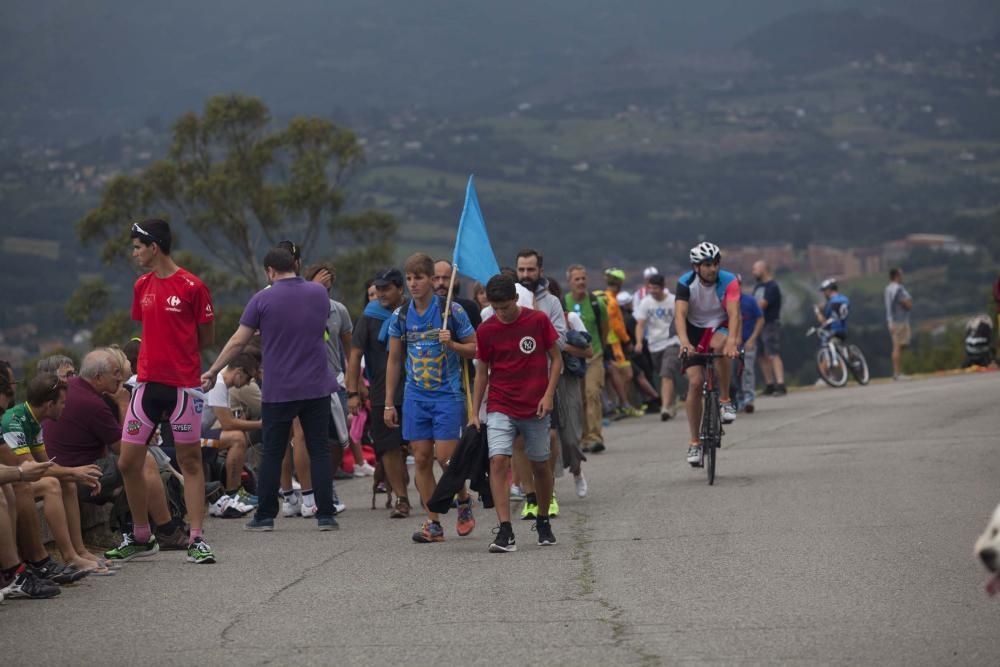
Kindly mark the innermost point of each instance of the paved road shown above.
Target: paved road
(840, 530)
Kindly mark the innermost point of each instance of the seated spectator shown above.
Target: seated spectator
(59, 365)
(232, 434)
(22, 442)
(89, 433)
(16, 580)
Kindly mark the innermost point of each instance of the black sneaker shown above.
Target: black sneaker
(544, 530)
(769, 390)
(57, 573)
(504, 540)
(780, 390)
(27, 585)
(597, 448)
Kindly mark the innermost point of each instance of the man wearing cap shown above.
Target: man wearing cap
(370, 340)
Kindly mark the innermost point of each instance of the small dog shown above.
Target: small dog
(988, 551)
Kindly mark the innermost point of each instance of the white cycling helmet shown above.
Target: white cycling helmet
(829, 283)
(704, 252)
(624, 297)
(650, 271)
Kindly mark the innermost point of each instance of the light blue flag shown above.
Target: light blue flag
(473, 253)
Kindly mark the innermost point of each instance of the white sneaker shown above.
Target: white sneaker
(228, 507)
(308, 511)
(581, 486)
(290, 505)
(694, 455)
(516, 492)
(728, 413)
(364, 470)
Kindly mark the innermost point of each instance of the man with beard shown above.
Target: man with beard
(441, 279)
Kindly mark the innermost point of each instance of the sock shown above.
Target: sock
(9, 572)
(39, 563)
(141, 532)
(308, 499)
(506, 525)
(195, 535)
(403, 499)
(541, 520)
(467, 501)
(531, 498)
(287, 493)
(233, 492)
(436, 522)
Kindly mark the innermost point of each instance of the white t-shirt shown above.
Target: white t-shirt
(576, 322)
(659, 319)
(525, 299)
(218, 397)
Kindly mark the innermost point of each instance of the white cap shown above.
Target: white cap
(624, 297)
(649, 271)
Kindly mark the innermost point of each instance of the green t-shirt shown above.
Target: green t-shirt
(21, 431)
(586, 313)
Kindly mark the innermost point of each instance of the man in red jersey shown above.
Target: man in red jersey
(175, 309)
(523, 364)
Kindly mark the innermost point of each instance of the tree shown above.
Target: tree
(239, 185)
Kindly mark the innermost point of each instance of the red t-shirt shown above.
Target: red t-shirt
(518, 358)
(170, 310)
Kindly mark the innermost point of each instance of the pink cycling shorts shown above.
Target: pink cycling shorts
(153, 404)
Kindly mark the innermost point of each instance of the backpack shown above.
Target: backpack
(456, 309)
(404, 311)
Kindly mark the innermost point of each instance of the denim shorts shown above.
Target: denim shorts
(501, 430)
(432, 420)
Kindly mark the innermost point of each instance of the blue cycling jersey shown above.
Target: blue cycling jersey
(838, 308)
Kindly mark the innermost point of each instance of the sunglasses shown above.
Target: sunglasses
(139, 230)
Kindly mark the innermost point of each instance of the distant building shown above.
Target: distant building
(894, 251)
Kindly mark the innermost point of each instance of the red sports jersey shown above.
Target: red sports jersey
(518, 358)
(170, 310)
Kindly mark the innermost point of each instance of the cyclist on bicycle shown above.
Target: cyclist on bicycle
(708, 316)
(833, 314)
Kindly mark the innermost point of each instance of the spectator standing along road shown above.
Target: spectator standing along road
(178, 321)
(768, 295)
(291, 317)
(898, 304)
(594, 314)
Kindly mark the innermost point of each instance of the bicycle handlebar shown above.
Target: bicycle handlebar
(708, 356)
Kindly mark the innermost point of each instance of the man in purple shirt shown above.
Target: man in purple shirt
(291, 317)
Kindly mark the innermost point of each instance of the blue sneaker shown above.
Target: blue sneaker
(259, 525)
(327, 523)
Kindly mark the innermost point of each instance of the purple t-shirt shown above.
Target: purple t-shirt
(84, 430)
(291, 317)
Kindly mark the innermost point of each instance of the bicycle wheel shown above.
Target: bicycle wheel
(858, 364)
(711, 428)
(831, 367)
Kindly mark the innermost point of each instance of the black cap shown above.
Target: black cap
(387, 277)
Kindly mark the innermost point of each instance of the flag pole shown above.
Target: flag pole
(451, 290)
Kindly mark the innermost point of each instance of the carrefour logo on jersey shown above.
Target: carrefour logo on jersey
(172, 302)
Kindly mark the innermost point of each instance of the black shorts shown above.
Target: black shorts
(700, 337)
(385, 439)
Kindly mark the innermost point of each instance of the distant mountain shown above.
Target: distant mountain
(79, 69)
(819, 40)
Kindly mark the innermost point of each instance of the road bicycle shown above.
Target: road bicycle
(711, 414)
(835, 359)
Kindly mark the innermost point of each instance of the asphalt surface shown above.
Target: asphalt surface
(840, 530)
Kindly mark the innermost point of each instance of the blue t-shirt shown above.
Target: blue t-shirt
(750, 312)
(432, 371)
(771, 293)
(838, 307)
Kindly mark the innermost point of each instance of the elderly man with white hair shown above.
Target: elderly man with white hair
(89, 432)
